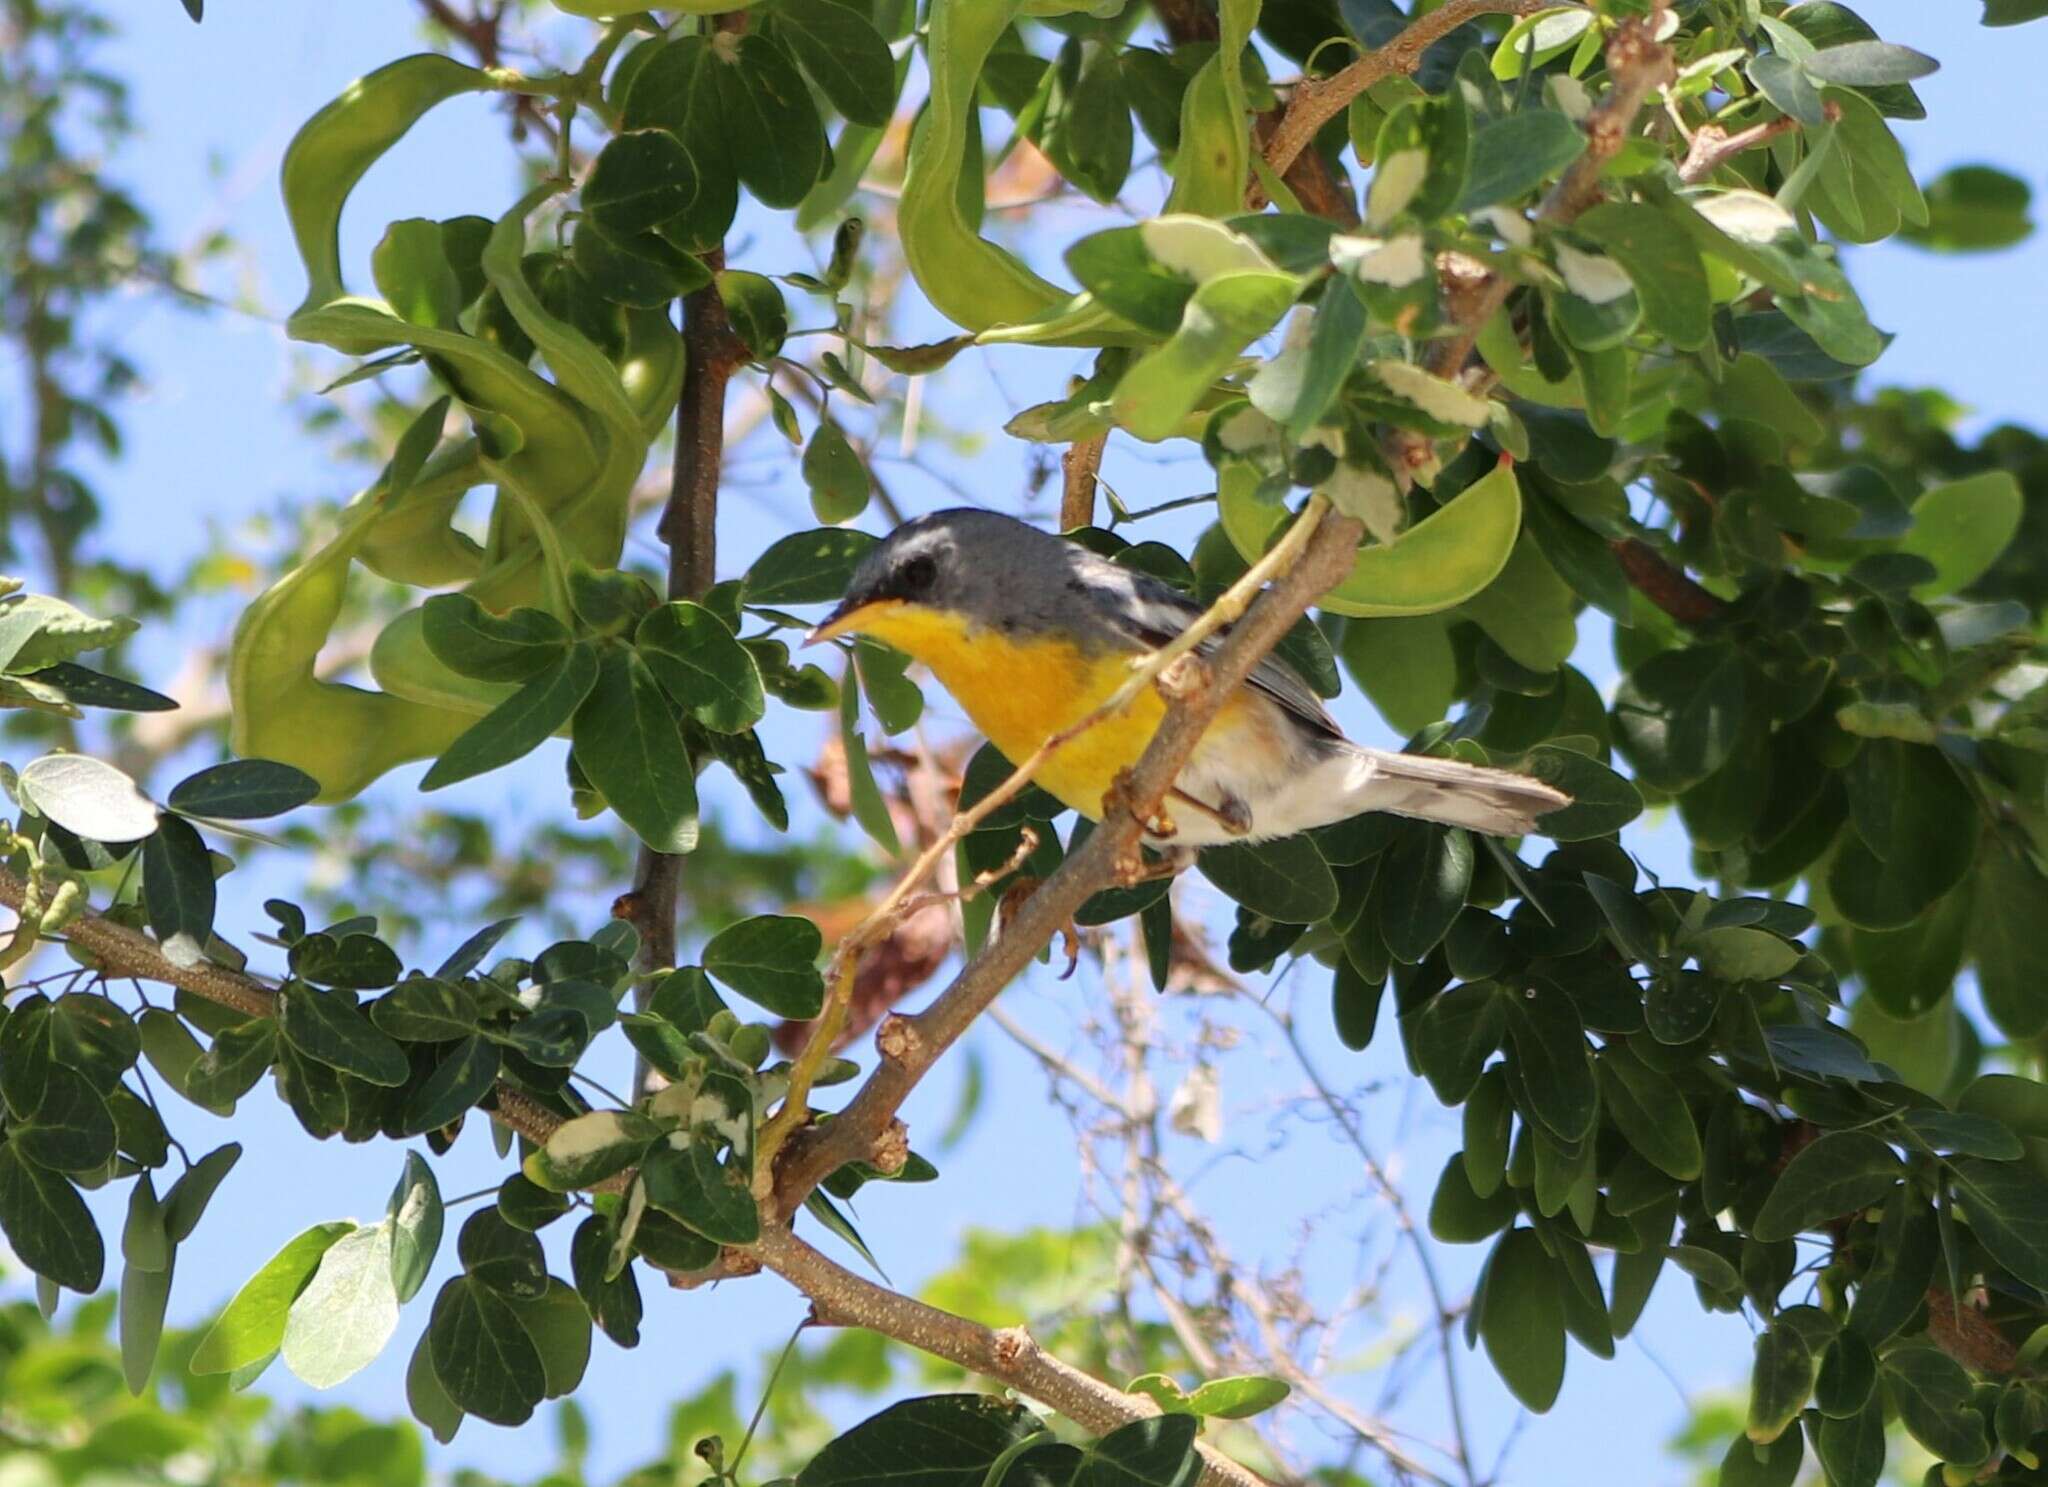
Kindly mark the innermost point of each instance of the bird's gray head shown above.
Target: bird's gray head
(993, 571)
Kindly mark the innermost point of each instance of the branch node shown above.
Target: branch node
(891, 1149)
(1012, 1345)
(897, 1040)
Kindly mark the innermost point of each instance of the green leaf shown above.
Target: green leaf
(1961, 528)
(834, 472)
(629, 745)
(482, 1355)
(1661, 261)
(771, 959)
(145, 1294)
(238, 1058)
(88, 798)
(808, 567)
(1460, 1215)
(1906, 852)
(470, 640)
(1741, 953)
(694, 656)
(327, 1027)
(944, 1440)
(424, 1396)
(1602, 801)
(1239, 1397)
(583, 1152)
(1285, 880)
(340, 1322)
(1518, 152)
(1933, 1396)
(772, 130)
(1841, 1173)
(1869, 64)
(642, 179)
(1223, 316)
(177, 883)
(1650, 1111)
(1780, 1380)
(244, 790)
(145, 1244)
(1086, 132)
(1550, 1054)
(1453, 1035)
(522, 722)
(1677, 716)
(413, 274)
(1159, 1452)
(559, 1327)
(1424, 877)
(1748, 1464)
(48, 1224)
(71, 1130)
(2007, 1207)
(1522, 1320)
(497, 1255)
(354, 961)
(458, 1082)
(844, 55)
(692, 1187)
(416, 1218)
(2007, 905)
(1406, 666)
(1974, 209)
(426, 1009)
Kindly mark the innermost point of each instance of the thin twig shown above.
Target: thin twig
(1079, 467)
(1712, 146)
(1318, 100)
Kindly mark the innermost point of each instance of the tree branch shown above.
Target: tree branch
(1316, 101)
(1079, 467)
(1663, 585)
(689, 527)
(1009, 1356)
(1712, 146)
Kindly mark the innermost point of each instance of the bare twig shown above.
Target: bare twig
(1712, 146)
(1316, 101)
(1663, 585)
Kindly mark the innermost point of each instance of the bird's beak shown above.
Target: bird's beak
(847, 618)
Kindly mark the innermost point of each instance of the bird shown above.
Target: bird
(1031, 632)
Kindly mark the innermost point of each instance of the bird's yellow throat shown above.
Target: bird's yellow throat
(1021, 692)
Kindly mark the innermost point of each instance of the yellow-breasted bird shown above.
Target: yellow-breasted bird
(1031, 633)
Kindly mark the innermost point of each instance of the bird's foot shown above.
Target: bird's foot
(1012, 903)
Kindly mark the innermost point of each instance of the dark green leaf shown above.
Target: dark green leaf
(944, 1440)
(1841, 1173)
(694, 1189)
(327, 1027)
(844, 55)
(1550, 1055)
(694, 656)
(1522, 1321)
(808, 567)
(471, 641)
(629, 745)
(48, 1224)
(1159, 1452)
(642, 179)
(458, 1082)
(1517, 153)
(177, 883)
(1933, 1396)
(2007, 1206)
(427, 1009)
(1285, 880)
(1780, 1380)
(522, 722)
(497, 1255)
(186, 1202)
(244, 790)
(145, 1294)
(482, 1355)
(1748, 1464)
(71, 1131)
(771, 960)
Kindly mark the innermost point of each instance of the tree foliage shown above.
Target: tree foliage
(1525, 313)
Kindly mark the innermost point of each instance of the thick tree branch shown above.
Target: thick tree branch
(1316, 101)
(1009, 1356)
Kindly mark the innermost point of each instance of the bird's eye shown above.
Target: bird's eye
(915, 576)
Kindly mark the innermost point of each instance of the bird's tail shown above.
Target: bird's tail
(1496, 801)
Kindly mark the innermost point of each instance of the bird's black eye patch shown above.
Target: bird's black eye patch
(914, 576)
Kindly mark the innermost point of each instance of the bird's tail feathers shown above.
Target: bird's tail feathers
(1496, 801)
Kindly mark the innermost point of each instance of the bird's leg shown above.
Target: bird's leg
(1172, 862)
(1233, 815)
(1021, 888)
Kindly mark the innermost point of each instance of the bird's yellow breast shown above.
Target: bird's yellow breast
(1022, 691)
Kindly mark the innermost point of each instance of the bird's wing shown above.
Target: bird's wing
(1152, 613)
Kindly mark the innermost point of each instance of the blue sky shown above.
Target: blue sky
(211, 443)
